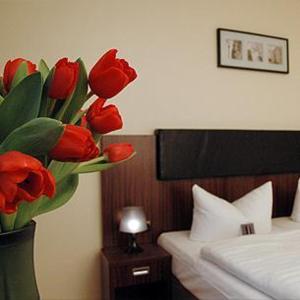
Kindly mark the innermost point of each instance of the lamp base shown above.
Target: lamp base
(133, 247)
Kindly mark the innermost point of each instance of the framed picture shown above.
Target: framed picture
(252, 51)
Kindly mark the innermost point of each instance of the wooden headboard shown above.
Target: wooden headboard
(168, 204)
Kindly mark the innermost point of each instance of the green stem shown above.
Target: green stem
(60, 170)
(88, 163)
(97, 137)
(8, 221)
(24, 216)
(59, 116)
(46, 102)
(46, 161)
(51, 107)
(78, 116)
(92, 161)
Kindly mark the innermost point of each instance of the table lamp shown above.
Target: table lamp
(133, 221)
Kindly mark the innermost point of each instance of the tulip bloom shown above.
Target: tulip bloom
(103, 119)
(110, 75)
(75, 145)
(118, 152)
(64, 79)
(11, 68)
(22, 177)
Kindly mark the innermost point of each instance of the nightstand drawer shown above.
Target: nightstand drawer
(140, 272)
(146, 275)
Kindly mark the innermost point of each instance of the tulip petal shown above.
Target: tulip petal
(64, 79)
(11, 69)
(79, 94)
(22, 177)
(49, 184)
(7, 78)
(106, 61)
(8, 188)
(10, 208)
(109, 83)
(2, 202)
(105, 121)
(95, 109)
(118, 152)
(17, 176)
(32, 187)
(5, 207)
(14, 161)
(76, 144)
(110, 75)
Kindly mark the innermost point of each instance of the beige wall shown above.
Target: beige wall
(172, 43)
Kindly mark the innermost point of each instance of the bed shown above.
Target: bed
(203, 278)
(160, 179)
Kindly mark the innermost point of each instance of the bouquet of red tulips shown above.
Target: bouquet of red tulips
(46, 137)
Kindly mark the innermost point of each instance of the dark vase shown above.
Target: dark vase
(17, 277)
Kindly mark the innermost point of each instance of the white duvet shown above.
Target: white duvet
(270, 263)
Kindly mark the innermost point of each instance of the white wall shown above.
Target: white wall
(172, 44)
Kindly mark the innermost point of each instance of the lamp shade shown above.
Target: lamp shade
(133, 220)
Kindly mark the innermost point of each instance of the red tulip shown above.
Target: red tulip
(11, 68)
(64, 79)
(103, 119)
(22, 177)
(76, 144)
(117, 152)
(110, 75)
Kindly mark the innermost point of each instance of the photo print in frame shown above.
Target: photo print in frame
(252, 51)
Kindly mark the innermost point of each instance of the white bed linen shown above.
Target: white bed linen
(270, 263)
(205, 280)
(284, 223)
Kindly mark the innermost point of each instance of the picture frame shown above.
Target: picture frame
(252, 51)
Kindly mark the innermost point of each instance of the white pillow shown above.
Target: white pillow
(214, 218)
(296, 208)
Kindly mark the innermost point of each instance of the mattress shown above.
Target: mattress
(204, 279)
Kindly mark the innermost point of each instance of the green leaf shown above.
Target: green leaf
(2, 150)
(79, 95)
(36, 137)
(65, 189)
(1, 99)
(46, 102)
(44, 69)
(21, 104)
(21, 73)
(61, 169)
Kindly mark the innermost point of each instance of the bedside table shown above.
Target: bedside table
(146, 275)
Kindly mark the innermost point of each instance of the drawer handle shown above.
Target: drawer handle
(142, 271)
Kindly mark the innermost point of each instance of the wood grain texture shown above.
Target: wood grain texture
(118, 270)
(169, 204)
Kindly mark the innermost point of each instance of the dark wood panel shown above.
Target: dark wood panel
(121, 282)
(203, 153)
(168, 204)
